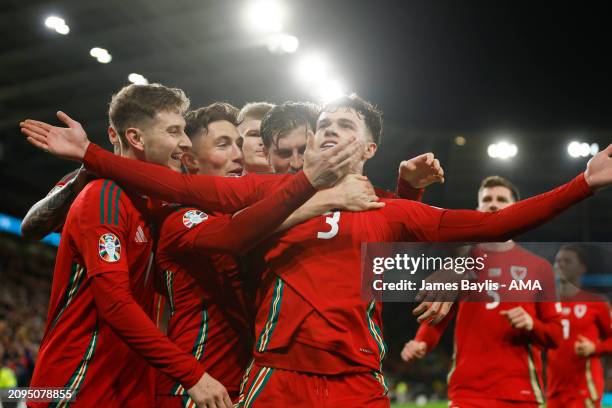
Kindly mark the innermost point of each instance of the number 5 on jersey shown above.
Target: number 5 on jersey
(332, 220)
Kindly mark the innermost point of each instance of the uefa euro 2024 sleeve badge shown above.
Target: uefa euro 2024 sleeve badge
(109, 247)
(193, 217)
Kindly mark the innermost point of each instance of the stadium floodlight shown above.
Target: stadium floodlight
(101, 54)
(312, 68)
(460, 141)
(105, 59)
(330, 90)
(63, 30)
(58, 24)
(282, 44)
(573, 149)
(54, 21)
(581, 149)
(137, 79)
(265, 16)
(502, 150)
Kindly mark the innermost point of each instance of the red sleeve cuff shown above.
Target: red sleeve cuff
(584, 186)
(90, 154)
(407, 192)
(198, 372)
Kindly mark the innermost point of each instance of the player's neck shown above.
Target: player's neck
(128, 153)
(498, 246)
(358, 168)
(568, 289)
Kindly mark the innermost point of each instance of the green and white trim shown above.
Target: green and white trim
(375, 331)
(275, 305)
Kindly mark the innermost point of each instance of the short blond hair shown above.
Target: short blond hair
(254, 110)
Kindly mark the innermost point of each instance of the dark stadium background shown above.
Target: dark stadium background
(537, 74)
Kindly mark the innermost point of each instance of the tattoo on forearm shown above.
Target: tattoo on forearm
(49, 213)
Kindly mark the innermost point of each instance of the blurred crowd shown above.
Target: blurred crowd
(25, 284)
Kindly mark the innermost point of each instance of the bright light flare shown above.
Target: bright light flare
(312, 68)
(460, 141)
(101, 54)
(137, 79)
(282, 44)
(330, 90)
(265, 16)
(577, 149)
(58, 24)
(502, 150)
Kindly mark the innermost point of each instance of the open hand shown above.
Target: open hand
(65, 142)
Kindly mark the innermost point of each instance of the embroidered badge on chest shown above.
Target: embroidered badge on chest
(580, 311)
(193, 217)
(109, 247)
(518, 272)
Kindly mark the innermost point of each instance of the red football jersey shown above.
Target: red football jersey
(567, 373)
(311, 292)
(206, 292)
(208, 304)
(104, 232)
(319, 261)
(492, 359)
(102, 300)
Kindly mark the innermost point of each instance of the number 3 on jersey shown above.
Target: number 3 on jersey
(332, 220)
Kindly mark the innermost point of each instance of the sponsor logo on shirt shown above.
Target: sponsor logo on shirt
(193, 217)
(109, 247)
(140, 237)
(518, 272)
(494, 272)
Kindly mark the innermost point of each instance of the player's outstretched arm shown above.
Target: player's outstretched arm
(248, 227)
(207, 192)
(211, 193)
(49, 214)
(425, 223)
(353, 193)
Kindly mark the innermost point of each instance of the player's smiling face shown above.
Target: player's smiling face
(216, 150)
(491, 199)
(164, 139)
